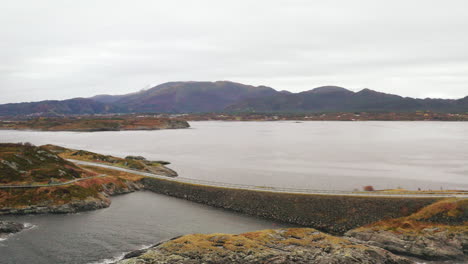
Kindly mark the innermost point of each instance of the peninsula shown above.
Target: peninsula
(39, 180)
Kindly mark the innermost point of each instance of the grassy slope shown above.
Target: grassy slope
(27, 164)
(134, 163)
(449, 214)
(99, 158)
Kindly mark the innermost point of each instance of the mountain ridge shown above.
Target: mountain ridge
(227, 96)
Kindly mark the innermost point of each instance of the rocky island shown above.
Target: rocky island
(94, 123)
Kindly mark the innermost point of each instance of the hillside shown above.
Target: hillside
(184, 97)
(26, 164)
(337, 99)
(76, 106)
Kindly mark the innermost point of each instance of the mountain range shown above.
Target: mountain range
(225, 96)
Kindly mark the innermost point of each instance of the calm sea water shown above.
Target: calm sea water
(319, 155)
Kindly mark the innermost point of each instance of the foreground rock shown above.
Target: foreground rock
(295, 245)
(437, 232)
(7, 227)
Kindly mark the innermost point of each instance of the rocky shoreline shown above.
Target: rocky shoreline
(77, 205)
(437, 232)
(432, 243)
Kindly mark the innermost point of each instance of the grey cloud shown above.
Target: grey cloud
(62, 49)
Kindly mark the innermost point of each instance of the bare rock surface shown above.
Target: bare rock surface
(432, 243)
(8, 227)
(436, 232)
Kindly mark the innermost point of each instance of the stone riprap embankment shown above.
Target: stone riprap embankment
(331, 213)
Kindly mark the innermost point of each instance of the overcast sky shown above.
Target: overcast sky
(68, 48)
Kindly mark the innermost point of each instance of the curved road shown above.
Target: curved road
(265, 188)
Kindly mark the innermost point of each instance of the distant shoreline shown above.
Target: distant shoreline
(92, 124)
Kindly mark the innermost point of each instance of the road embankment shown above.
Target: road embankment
(335, 214)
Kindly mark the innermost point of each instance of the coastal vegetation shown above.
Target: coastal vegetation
(130, 162)
(27, 164)
(37, 180)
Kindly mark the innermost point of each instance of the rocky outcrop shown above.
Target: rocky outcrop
(295, 245)
(92, 202)
(161, 170)
(437, 232)
(74, 206)
(432, 243)
(7, 227)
